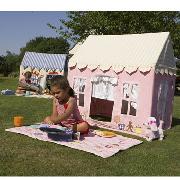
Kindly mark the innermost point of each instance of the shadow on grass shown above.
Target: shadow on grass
(175, 122)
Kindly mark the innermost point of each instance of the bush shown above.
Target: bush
(14, 74)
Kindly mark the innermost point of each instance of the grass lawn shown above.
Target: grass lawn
(24, 156)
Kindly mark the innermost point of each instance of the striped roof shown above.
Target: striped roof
(43, 60)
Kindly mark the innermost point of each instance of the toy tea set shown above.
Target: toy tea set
(59, 133)
(150, 132)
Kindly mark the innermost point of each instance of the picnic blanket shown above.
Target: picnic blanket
(40, 96)
(100, 146)
(36, 95)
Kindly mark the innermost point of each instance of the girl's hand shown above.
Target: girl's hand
(54, 119)
(47, 121)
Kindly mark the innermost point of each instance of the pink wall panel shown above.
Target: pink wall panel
(147, 94)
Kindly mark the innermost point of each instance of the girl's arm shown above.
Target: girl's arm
(66, 114)
(54, 112)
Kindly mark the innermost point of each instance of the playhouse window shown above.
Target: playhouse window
(134, 91)
(81, 100)
(79, 87)
(126, 90)
(103, 87)
(124, 108)
(133, 107)
(35, 79)
(130, 96)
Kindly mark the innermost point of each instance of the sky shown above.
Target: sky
(21, 21)
(17, 27)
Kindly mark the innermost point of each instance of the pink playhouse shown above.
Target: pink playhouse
(124, 78)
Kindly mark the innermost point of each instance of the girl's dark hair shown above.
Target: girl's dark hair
(62, 83)
(28, 74)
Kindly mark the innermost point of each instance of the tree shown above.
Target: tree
(2, 61)
(46, 45)
(81, 24)
(178, 67)
(9, 63)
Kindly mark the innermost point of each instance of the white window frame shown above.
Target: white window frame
(35, 79)
(130, 98)
(79, 92)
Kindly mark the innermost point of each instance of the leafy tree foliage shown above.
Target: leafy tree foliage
(81, 24)
(46, 45)
(9, 63)
(2, 60)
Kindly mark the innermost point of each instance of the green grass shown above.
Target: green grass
(24, 156)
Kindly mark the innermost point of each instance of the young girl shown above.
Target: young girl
(65, 109)
(24, 83)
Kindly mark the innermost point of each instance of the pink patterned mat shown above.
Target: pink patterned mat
(100, 146)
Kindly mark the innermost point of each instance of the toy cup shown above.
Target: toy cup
(18, 121)
(27, 93)
(138, 130)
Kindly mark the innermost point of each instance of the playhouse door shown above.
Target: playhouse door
(101, 107)
(162, 100)
(102, 99)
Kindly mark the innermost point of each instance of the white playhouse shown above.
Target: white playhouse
(43, 65)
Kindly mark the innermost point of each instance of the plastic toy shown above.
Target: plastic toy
(152, 131)
(59, 133)
(130, 127)
(106, 134)
(121, 126)
(138, 130)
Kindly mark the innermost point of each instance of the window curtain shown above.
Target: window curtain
(103, 87)
(134, 91)
(79, 85)
(130, 91)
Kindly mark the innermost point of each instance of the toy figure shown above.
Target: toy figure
(152, 131)
(130, 127)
